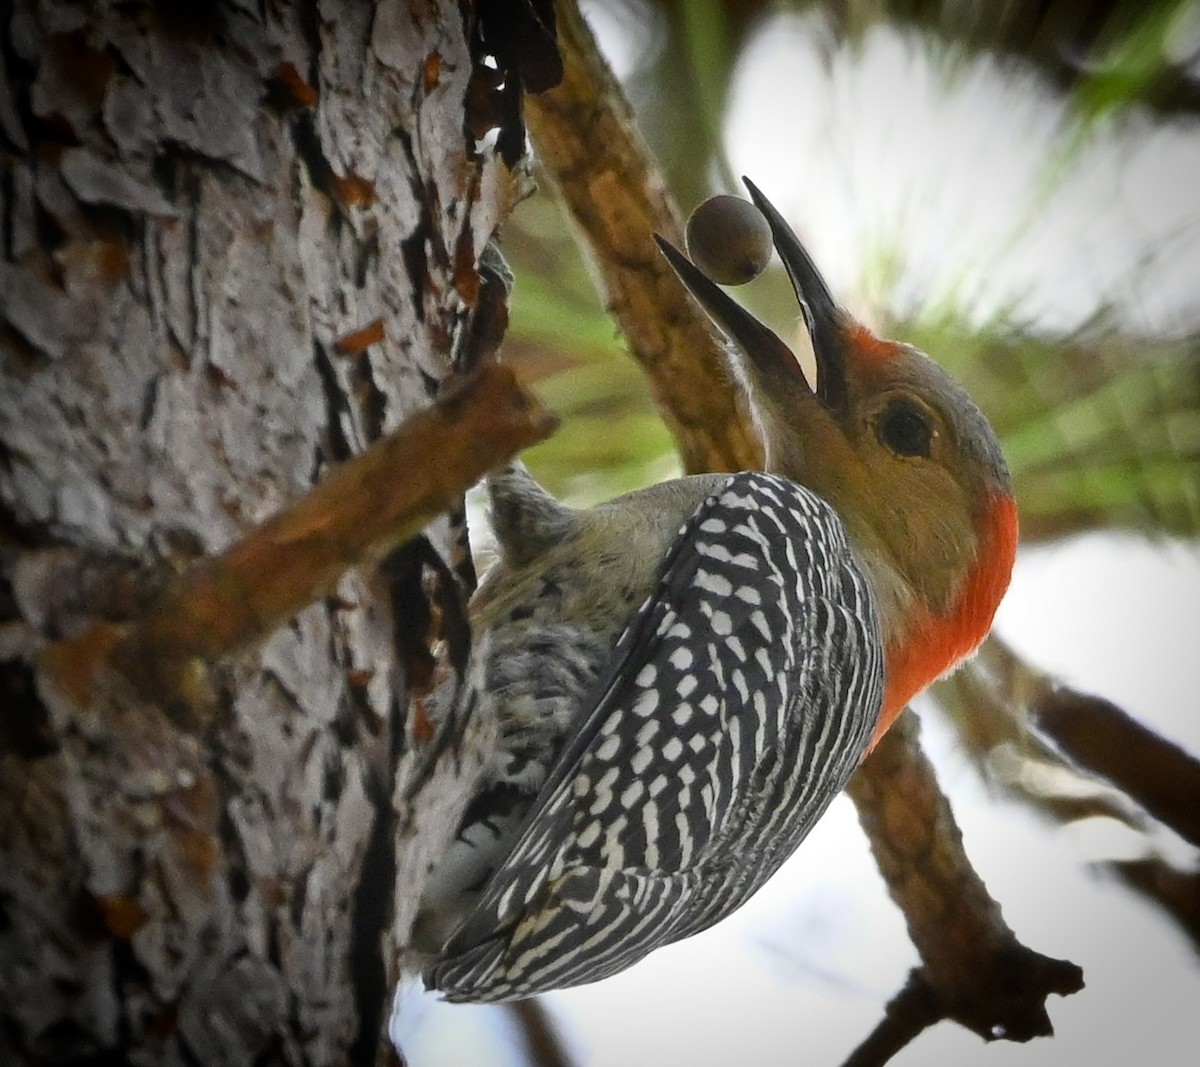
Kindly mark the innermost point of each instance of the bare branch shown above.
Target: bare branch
(1001, 700)
(1099, 736)
(1176, 892)
(544, 1042)
(362, 510)
(585, 136)
(1089, 733)
(908, 1015)
(980, 974)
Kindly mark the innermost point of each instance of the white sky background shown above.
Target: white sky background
(873, 152)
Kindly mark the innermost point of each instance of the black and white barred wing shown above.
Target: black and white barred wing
(735, 707)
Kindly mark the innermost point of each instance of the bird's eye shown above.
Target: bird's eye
(905, 430)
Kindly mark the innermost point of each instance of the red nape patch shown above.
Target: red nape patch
(936, 644)
(869, 348)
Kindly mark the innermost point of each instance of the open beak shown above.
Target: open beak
(771, 359)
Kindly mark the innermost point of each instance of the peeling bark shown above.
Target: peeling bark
(239, 243)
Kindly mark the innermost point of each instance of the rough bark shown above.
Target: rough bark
(240, 243)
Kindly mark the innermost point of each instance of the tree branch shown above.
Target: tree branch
(979, 974)
(998, 697)
(587, 141)
(362, 510)
(543, 1042)
(908, 1015)
(1176, 892)
(1105, 740)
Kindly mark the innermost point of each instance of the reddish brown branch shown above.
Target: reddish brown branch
(979, 974)
(1176, 892)
(586, 139)
(1093, 734)
(543, 1041)
(908, 1015)
(362, 510)
(998, 697)
(952, 919)
(1100, 737)
(1020, 979)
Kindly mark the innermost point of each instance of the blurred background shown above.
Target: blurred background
(1015, 188)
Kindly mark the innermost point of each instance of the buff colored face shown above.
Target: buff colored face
(908, 461)
(916, 474)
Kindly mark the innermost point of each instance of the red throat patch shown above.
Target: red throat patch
(936, 644)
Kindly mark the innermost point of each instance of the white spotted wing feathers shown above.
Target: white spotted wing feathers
(734, 708)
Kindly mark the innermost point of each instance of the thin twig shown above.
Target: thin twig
(908, 1015)
(1094, 735)
(1176, 892)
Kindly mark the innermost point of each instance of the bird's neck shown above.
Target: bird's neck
(922, 645)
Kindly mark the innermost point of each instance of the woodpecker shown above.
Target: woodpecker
(683, 678)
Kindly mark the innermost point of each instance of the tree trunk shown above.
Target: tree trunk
(240, 242)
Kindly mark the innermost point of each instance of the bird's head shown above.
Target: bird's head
(898, 448)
